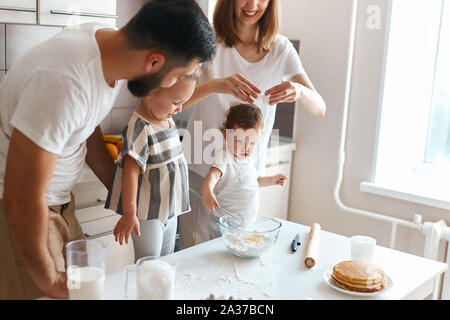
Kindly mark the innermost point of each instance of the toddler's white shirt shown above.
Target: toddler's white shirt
(238, 187)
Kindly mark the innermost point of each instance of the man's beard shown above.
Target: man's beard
(142, 86)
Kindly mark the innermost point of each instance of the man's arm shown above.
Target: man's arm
(29, 169)
(98, 158)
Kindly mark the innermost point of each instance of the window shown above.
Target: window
(438, 144)
(413, 144)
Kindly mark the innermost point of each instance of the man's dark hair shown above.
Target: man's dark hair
(176, 27)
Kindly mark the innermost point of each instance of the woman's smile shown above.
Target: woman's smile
(250, 11)
(250, 14)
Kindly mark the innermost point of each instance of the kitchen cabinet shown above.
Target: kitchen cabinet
(89, 191)
(2, 52)
(274, 200)
(24, 37)
(2, 48)
(73, 12)
(18, 11)
(117, 256)
(97, 222)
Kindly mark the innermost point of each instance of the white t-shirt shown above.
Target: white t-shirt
(281, 63)
(56, 95)
(238, 187)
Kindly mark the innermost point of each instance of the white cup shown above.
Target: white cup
(155, 278)
(86, 269)
(362, 248)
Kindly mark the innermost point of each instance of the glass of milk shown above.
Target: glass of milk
(155, 278)
(362, 248)
(86, 269)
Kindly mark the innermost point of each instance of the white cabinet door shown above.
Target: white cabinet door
(274, 200)
(21, 38)
(18, 11)
(2, 75)
(74, 12)
(93, 213)
(117, 256)
(99, 226)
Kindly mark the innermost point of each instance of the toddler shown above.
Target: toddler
(150, 182)
(232, 181)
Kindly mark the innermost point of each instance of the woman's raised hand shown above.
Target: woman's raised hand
(288, 91)
(239, 87)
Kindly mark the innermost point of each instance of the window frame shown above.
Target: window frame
(418, 181)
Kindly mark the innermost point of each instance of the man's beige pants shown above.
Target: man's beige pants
(15, 281)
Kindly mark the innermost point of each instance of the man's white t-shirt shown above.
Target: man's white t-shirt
(238, 187)
(56, 95)
(281, 63)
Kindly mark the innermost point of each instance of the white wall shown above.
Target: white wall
(323, 27)
(125, 103)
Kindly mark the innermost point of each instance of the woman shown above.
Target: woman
(251, 59)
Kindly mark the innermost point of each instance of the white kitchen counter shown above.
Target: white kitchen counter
(283, 144)
(209, 268)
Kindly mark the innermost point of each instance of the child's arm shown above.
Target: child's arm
(272, 180)
(208, 198)
(129, 221)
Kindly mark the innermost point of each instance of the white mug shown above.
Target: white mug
(362, 248)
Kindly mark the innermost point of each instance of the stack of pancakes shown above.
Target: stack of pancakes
(358, 276)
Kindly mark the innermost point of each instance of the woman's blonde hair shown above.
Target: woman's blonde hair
(225, 26)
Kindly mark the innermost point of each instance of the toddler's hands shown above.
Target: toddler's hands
(125, 226)
(279, 179)
(210, 201)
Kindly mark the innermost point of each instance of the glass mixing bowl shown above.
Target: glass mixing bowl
(254, 239)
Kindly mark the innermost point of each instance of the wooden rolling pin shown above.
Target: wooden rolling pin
(312, 250)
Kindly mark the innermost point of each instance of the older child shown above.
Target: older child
(232, 181)
(150, 184)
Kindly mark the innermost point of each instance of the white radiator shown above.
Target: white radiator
(434, 233)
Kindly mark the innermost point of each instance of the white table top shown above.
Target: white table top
(209, 268)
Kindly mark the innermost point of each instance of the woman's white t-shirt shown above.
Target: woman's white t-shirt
(280, 64)
(56, 95)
